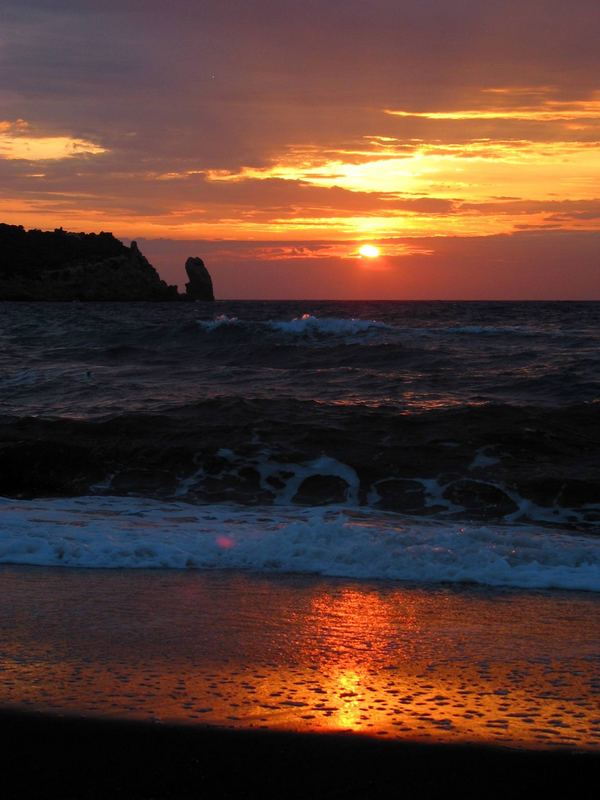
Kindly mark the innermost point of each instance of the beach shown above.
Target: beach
(156, 683)
(77, 758)
(304, 654)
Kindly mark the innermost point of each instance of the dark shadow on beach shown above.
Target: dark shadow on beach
(77, 758)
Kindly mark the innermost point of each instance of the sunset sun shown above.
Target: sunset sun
(369, 251)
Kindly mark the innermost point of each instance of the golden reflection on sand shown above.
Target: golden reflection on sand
(306, 655)
(542, 708)
(358, 625)
(349, 714)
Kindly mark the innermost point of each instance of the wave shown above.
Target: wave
(118, 532)
(336, 326)
(315, 329)
(489, 330)
(307, 325)
(97, 360)
(310, 325)
(219, 321)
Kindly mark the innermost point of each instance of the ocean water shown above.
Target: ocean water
(424, 442)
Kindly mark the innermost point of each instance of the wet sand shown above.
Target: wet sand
(304, 655)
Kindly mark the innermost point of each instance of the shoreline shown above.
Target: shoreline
(304, 654)
(83, 758)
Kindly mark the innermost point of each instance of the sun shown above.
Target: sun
(369, 251)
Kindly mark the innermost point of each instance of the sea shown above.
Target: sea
(423, 443)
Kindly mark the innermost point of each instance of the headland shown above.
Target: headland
(63, 266)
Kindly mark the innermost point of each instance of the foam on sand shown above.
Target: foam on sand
(117, 532)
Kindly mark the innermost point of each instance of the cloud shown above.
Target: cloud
(269, 120)
(544, 109)
(19, 142)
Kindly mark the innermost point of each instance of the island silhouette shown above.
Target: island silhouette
(63, 266)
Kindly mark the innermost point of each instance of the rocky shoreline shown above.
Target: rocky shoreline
(491, 463)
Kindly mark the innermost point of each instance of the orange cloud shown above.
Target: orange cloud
(543, 109)
(418, 187)
(19, 142)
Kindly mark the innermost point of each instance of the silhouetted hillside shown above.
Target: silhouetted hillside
(57, 265)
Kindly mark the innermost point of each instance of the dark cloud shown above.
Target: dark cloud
(210, 63)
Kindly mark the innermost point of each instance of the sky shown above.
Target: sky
(273, 138)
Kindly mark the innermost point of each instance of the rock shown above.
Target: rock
(542, 491)
(399, 494)
(480, 498)
(200, 285)
(242, 486)
(151, 482)
(38, 468)
(60, 266)
(321, 490)
(576, 493)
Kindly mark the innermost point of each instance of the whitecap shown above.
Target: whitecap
(117, 532)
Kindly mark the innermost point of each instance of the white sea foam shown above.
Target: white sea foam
(118, 532)
(324, 465)
(336, 326)
(306, 325)
(284, 479)
(310, 325)
(219, 321)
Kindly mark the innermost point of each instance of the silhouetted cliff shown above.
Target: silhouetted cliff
(45, 265)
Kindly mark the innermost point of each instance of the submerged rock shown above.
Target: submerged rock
(486, 500)
(321, 490)
(399, 494)
(214, 451)
(155, 482)
(58, 266)
(200, 283)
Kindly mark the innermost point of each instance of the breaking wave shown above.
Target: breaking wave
(305, 325)
(84, 362)
(115, 532)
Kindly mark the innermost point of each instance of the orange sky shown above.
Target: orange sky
(316, 126)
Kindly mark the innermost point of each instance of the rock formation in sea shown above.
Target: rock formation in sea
(200, 284)
(58, 265)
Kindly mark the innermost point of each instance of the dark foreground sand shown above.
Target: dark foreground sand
(76, 758)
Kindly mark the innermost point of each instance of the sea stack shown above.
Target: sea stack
(200, 284)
